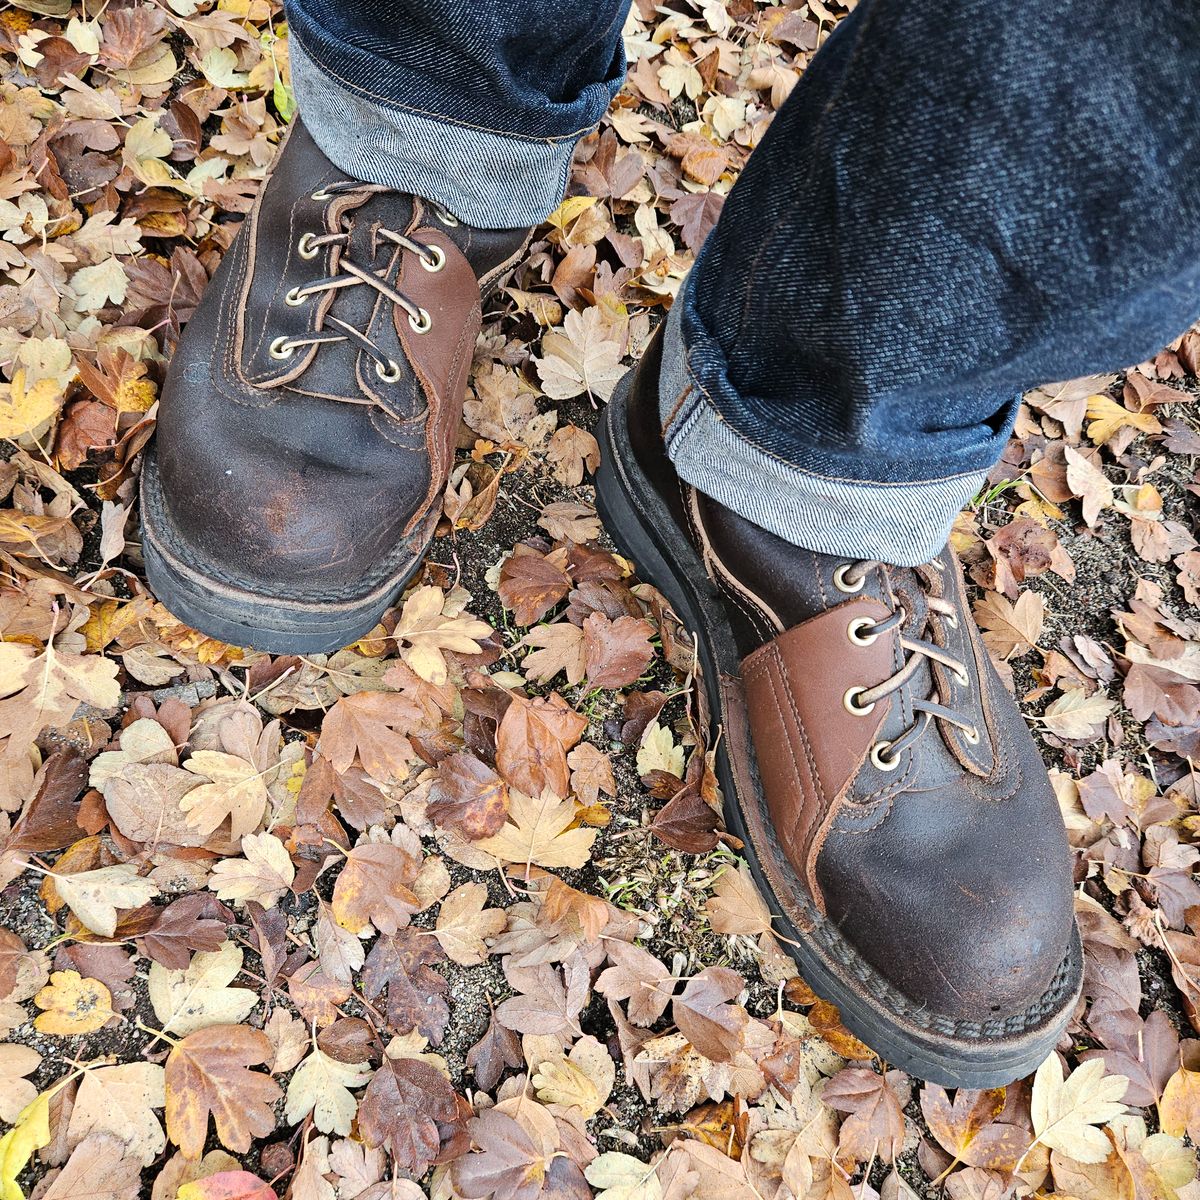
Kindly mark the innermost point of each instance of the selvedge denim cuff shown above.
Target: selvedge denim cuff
(490, 180)
(900, 523)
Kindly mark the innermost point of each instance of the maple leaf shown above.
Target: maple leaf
(468, 797)
(234, 1185)
(736, 906)
(616, 652)
(548, 1001)
(583, 358)
(373, 888)
(532, 743)
(1108, 418)
(193, 922)
(968, 1128)
(557, 648)
(1179, 1107)
(95, 896)
(591, 773)
(1010, 630)
(464, 923)
(402, 1108)
(120, 1101)
(369, 727)
(498, 1048)
(322, 1085)
(875, 1120)
(44, 690)
(531, 584)
(1089, 483)
(100, 1168)
(16, 1092)
(623, 1177)
(507, 1163)
(209, 1074)
(637, 976)
(402, 966)
(185, 1001)
(539, 832)
(72, 1005)
(564, 520)
(263, 874)
(1076, 715)
(572, 449)
(582, 1079)
(143, 801)
(431, 622)
(236, 791)
(1066, 1111)
(705, 1017)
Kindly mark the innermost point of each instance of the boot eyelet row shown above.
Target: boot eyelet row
(390, 373)
(305, 247)
(422, 323)
(851, 705)
(296, 296)
(845, 585)
(879, 756)
(855, 631)
(281, 347)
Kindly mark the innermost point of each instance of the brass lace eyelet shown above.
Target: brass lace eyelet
(305, 247)
(296, 296)
(390, 373)
(881, 760)
(281, 347)
(422, 323)
(845, 585)
(971, 735)
(321, 194)
(851, 705)
(854, 631)
(446, 218)
(437, 260)
(951, 619)
(960, 673)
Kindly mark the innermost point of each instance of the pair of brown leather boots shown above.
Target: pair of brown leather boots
(893, 804)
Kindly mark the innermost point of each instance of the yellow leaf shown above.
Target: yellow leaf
(569, 210)
(72, 1005)
(1108, 416)
(23, 409)
(30, 1132)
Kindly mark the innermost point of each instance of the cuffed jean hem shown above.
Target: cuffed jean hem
(486, 179)
(900, 523)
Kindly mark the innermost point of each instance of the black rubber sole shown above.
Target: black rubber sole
(224, 609)
(936, 1049)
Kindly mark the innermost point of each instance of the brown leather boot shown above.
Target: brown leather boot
(895, 810)
(308, 421)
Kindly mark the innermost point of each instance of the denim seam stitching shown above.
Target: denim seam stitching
(367, 94)
(686, 421)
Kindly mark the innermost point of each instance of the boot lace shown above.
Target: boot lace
(432, 258)
(849, 578)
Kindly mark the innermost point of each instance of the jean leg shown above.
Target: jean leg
(475, 106)
(954, 205)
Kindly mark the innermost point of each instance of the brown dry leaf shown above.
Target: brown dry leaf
(591, 773)
(538, 832)
(583, 359)
(531, 584)
(572, 449)
(100, 1168)
(1076, 715)
(464, 924)
(875, 1117)
(374, 888)
(1179, 1108)
(468, 797)
(16, 1092)
(404, 1105)
(371, 728)
(616, 652)
(705, 1016)
(564, 520)
(968, 1127)
(209, 1074)
(432, 622)
(1089, 483)
(637, 976)
(1010, 630)
(532, 743)
(237, 793)
(1107, 418)
(558, 647)
(1066, 1111)
(121, 1101)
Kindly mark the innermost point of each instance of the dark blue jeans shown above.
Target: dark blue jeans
(956, 203)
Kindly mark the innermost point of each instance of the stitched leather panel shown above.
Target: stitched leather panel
(809, 746)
